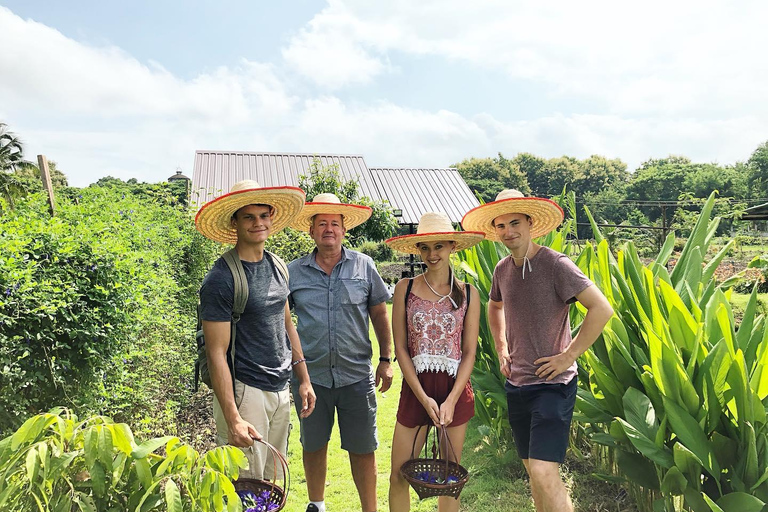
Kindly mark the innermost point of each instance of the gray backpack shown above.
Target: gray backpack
(238, 306)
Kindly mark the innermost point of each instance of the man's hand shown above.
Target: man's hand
(307, 396)
(242, 434)
(552, 366)
(384, 375)
(504, 362)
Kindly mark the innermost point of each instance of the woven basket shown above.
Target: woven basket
(439, 468)
(277, 494)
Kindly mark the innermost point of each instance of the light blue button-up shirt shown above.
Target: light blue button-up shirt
(333, 316)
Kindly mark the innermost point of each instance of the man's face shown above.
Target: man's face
(327, 231)
(514, 230)
(253, 223)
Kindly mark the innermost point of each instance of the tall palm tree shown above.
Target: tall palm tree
(11, 156)
(11, 151)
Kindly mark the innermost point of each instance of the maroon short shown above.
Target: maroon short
(438, 385)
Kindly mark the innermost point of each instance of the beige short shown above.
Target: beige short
(269, 412)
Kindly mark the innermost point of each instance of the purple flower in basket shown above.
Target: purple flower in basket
(426, 476)
(256, 502)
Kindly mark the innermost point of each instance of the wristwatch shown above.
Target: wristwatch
(385, 359)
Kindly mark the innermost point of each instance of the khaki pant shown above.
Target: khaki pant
(269, 412)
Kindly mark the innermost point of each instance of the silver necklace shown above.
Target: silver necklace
(442, 297)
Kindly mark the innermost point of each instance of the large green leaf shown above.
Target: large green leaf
(661, 455)
(687, 429)
(740, 502)
(637, 469)
(697, 239)
(639, 412)
(674, 482)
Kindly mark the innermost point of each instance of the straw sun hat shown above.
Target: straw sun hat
(354, 214)
(213, 219)
(545, 214)
(434, 227)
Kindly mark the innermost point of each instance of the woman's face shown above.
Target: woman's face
(436, 254)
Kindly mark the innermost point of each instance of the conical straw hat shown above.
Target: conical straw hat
(213, 219)
(545, 214)
(433, 227)
(354, 214)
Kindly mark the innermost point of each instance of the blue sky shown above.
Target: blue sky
(132, 89)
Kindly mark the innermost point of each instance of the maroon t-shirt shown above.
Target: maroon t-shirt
(536, 311)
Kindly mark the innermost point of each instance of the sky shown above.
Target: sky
(132, 89)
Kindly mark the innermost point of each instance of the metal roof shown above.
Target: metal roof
(414, 191)
(759, 212)
(417, 191)
(216, 171)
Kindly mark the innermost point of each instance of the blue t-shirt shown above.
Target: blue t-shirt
(263, 350)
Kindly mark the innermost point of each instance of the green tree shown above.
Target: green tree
(12, 186)
(32, 172)
(560, 174)
(703, 179)
(597, 173)
(535, 170)
(758, 171)
(487, 177)
(382, 223)
(11, 149)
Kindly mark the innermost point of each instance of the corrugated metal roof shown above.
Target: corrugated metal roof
(216, 171)
(414, 191)
(417, 191)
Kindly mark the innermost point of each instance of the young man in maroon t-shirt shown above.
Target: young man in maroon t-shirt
(528, 315)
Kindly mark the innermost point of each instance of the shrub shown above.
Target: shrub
(88, 298)
(55, 462)
(379, 251)
(290, 244)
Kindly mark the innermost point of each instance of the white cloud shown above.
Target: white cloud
(653, 58)
(98, 111)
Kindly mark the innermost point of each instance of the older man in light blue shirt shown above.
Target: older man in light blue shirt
(334, 292)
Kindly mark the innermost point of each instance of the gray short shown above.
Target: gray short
(356, 406)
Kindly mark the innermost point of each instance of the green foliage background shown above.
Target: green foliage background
(91, 298)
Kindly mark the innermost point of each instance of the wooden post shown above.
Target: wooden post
(45, 175)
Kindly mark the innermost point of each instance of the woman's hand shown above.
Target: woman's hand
(446, 412)
(432, 409)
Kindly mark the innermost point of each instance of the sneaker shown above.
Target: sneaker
(312, 508)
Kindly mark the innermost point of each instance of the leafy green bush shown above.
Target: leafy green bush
(92, 296)
(290, 244)
(675, 392)
(379, 251)
(55, 462)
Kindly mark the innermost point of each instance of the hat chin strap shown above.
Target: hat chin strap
(526, 261)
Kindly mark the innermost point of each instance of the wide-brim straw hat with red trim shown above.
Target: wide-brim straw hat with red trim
(434, 227)
(545, 214)
(214, 218)
(354, 214)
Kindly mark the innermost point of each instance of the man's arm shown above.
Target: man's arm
(306, 392)
(217, 334)
(498, 327)
(380, 321)
(599, 311)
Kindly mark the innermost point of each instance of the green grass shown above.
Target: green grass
(497, 478)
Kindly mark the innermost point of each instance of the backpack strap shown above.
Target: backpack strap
(280, 264)
(239, 301)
